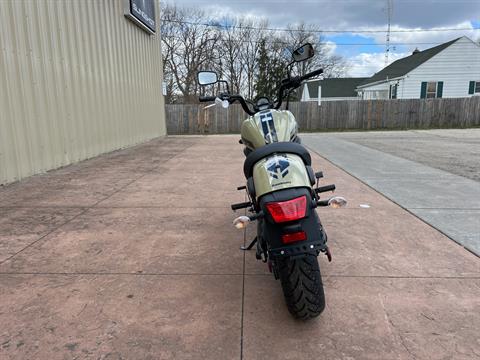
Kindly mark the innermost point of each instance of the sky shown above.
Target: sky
(355, 16)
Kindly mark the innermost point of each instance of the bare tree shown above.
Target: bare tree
(188, 46)
(250, 52)
(192, 41)
(238, 52)
(332, 65)
(230, 47)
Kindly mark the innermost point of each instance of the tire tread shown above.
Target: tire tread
(302, 286)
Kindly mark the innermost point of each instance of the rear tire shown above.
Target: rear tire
(302, 286)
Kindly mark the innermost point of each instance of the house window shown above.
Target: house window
(393, 91)
(431, 89)
(474, 87)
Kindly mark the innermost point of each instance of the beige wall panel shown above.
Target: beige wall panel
(77, 79)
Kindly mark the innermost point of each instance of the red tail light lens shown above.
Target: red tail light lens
(288, 210)
(294, 237)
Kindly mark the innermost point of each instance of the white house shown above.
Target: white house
(448, 70)
(331, 89)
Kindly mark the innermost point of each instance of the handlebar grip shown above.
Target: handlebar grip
(206, 98)
(325, 188)
(312, 74)
(241, 205)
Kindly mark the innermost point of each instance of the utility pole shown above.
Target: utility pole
(389, 19)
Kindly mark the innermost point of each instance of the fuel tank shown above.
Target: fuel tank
(268, 126)
(279, 171)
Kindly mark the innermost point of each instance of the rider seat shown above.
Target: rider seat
(270, 149)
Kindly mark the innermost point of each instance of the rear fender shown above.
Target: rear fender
(272, 232)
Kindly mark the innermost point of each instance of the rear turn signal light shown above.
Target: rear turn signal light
(294, 237)
(289, 210)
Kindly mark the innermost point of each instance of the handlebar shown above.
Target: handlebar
(294, 83)
(231, 99)
(311, 74)
(206, 98)
(291, 83)
(325, 188)
(241, 100)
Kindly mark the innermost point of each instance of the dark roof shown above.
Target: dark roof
(334, 87)
(405, 65)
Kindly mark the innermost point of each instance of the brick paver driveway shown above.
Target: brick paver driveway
(132, 255)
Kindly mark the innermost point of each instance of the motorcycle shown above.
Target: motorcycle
(282, 191)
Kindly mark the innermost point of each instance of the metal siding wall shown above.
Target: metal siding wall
(77, 79)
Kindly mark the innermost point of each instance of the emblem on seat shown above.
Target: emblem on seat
(277, 166)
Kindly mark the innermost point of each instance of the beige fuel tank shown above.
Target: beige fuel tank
(268, 126)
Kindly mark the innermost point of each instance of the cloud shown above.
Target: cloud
(423, 39)
(330, 48)
(346, 14)
(367, 64)
(360, 15)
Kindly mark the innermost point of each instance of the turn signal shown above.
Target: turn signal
(337, 202)
(290, 210)
(241, 222)
(294, 237)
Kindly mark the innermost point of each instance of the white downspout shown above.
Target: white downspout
(305, 93)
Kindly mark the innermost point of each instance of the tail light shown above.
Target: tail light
(294, 237)
(289, 210)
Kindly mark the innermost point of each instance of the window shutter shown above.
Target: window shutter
(471, 87)
(439, 89)
(423, 90)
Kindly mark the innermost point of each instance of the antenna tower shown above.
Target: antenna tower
(389, 18)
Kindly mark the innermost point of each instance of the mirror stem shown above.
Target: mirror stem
(226, 85)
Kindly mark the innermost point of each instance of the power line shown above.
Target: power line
(225, 26)
(325, 43)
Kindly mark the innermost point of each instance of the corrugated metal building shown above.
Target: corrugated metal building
(77, 79)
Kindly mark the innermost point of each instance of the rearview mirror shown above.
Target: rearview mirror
(207, 77)
(303, 53)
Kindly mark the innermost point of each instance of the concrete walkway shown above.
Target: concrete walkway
(132, 255)
(417, 170)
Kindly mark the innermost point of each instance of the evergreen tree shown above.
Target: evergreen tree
(271, 69)
(261, 87)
